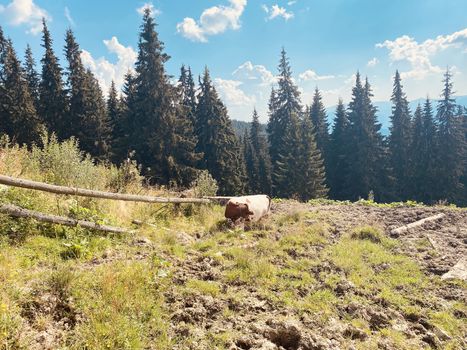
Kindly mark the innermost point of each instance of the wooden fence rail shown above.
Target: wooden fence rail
(18, 212)
(75, 191)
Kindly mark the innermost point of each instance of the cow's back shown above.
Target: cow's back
(259, 205)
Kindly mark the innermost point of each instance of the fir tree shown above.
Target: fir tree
(366, 145)
(159, 134)
(123, 126)
(423, 179)
(338, 166)
(53, 108)
(318, 116)
(188, 93)
(451, 142)
(287, 169)
(284, 109)
(95, 134)
(18, 118)
(32, 76)
(87, 111)
(113, 109)
(217, 140)
(258, 164)
(400, 140)
(311, 174)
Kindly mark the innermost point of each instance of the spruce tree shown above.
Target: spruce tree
(318, 116)
(284, 113)
(251, 163)
(18, 118)
(338, 166)
(311, 174)
(113, 109)
(159, 134)
(451, 141)
(262, 170)
(400, 140)
(423, 180)
(53, 107)
(287, 169)
(32, 76)
(217, 140)
(366, 172)
(188, 93)
(3, 121)
(123, 126)
(87, 113)
(95, 132)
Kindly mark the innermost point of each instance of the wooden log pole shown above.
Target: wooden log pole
(75, 191)
(18, 212)
(398, 231)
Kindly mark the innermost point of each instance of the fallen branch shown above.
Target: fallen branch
(398, 231)
(18, 212)
(40, 186)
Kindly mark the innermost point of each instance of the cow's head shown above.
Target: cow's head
(245, 212)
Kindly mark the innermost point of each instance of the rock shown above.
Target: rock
(266, 345)
(344, 287)
(457, 271)
(442, 335)
(353, 332)
(378, 319)
(142, 241)
(431, 339)
(284, 333)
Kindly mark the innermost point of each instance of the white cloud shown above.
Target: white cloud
(68, 16)
(214, 20)
(20, 12)
(277, 11)
(418, 55)
(104, 70)
(312, 75)
(232, 94)
(249, 71)
(150, 6)
(373, 62)
(293, 2)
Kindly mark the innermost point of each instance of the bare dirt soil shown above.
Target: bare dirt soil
(255, 321)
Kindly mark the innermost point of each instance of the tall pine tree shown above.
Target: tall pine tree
(158, 133)
(312, 176)
(32, 76)
(53, 107)
(451, 143)
(338, 166)
(284, 113)
(365, 142)
(18, 118)
(87, 111)
(217, 140)
(258, 163)
(319, 121)
(400, 140)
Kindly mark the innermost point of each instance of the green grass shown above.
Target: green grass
(204, 287)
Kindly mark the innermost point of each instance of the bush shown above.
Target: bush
(204, 185)
(369, 233)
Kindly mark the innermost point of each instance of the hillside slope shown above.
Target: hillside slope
(322, 276)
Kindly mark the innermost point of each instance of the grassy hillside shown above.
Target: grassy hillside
(321, 275)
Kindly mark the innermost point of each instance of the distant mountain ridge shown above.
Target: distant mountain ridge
(384, 114)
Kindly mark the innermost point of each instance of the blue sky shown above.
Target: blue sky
(240, 41)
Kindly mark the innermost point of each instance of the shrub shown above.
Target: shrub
(204, 185)
(367, 232)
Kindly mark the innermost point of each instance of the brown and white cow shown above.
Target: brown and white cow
(247, 208)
